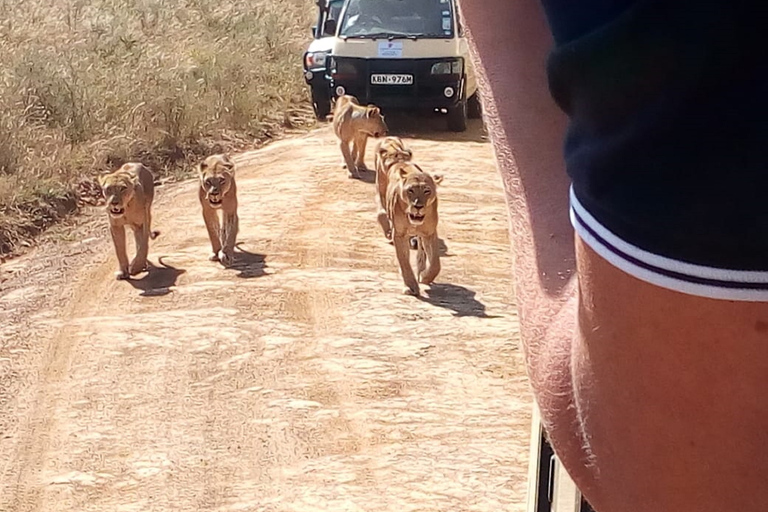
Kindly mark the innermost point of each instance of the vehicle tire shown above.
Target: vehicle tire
(457, 117)
(474, 107)
(321, 103)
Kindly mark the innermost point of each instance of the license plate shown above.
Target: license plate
(392, 79)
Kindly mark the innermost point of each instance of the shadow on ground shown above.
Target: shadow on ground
(249, 264)
(460, 300)
(158, 280)
(366, 176)
(433, 127)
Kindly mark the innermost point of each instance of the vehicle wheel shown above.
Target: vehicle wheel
(457, 117)
(321, 103)
(474, 108)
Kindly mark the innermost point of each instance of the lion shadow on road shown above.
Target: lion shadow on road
(249, 264)
(460, 300)
(366, 176)
(158, 280)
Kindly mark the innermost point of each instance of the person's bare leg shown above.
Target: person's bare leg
(655, 400)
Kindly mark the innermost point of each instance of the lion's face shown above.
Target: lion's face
(418, 192)
(373, 122)
(119, 190)
(216, 175)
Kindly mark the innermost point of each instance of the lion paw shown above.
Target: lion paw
(137, 267)
(226, 257)
(213, 257)
(121, 275)
(411, 291)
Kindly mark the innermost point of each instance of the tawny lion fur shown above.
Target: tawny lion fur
(129, 192)
(353, 124)
(389, 151)
(411, 206)
(218, 193)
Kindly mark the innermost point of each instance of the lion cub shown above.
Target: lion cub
(353, 124)
(411, 206)
(218, 192)
(129, 192)
(389, 151)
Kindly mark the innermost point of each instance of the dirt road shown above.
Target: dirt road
(299, 380)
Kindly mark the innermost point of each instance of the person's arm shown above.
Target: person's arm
(654, 399)
(512, 41)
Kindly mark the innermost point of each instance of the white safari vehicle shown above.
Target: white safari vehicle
(406, 55)
(316, 56)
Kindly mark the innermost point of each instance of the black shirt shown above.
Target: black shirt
(668, 141)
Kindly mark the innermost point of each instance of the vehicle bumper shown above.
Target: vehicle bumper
(317, 77)
(426, 92)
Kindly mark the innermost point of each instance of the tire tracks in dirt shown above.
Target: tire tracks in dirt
(299, 379)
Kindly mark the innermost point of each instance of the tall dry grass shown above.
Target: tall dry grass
(88, 84)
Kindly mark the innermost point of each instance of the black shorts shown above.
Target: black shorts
(667, 146)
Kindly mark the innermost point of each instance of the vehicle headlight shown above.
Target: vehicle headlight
(448, 67)
(315, 60)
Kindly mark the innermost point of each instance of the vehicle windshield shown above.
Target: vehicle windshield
(398, 18)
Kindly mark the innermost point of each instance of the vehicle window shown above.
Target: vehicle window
(334, 9)
(398, 18)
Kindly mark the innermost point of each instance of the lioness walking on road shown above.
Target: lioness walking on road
(389, 151)
(411, 204)
(353, 124)
(218, 192)
(129, 192)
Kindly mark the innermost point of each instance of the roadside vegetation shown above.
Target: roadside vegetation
(86, 85)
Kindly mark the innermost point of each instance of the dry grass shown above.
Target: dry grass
(86, 85)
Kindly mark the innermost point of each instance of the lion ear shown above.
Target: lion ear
(102, 179)
(438, 178)
(202, 166)
(228, 163)
(402, 171)
(373, 111)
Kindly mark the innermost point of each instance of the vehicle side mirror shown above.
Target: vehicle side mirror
(330, 27)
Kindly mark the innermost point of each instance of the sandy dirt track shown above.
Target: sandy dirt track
(301, 379)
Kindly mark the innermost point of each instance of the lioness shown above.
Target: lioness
(411, 203)
(353, 124)
(129, 192)
(389, 151)
(218, 192)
